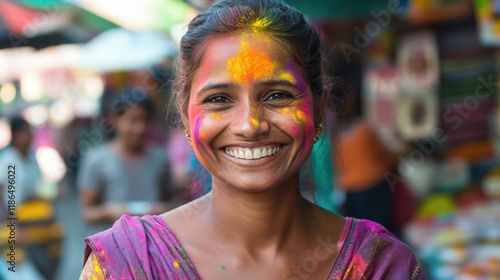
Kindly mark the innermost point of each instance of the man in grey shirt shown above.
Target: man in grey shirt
(126, 176)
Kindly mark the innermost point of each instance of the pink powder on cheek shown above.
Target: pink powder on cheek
(294, 131)
(198, 132)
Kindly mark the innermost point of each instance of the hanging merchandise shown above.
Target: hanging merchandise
(417, 116)
(418, 62)
(468, 92)
(419, 69)
(381, 99)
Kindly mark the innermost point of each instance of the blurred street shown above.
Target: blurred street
(68, 213)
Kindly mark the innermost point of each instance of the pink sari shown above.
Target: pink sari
(145, 248)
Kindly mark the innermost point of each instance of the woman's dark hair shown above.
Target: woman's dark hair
(286, 25)
(17, 124)
(130, 97)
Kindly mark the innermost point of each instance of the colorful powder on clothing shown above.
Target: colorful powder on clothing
(97, 268)
(250, 64)
(183, 253)
(176, 264)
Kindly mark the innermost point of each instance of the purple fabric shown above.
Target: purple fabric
(368, 251)
(140, 248)
(145, 248)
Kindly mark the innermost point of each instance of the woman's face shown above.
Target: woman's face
(250, 112)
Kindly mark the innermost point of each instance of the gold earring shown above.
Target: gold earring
(317, 132)
(188, 136)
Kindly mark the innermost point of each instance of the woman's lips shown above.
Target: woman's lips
(253, 153)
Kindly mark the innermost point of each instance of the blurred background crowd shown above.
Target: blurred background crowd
(414, 145)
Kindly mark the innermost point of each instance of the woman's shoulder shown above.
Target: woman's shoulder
(371, 248)
(368, 231)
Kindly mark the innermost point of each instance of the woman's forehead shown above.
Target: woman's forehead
(244, 57)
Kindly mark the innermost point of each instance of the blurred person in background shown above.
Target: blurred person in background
(20, 155)
(367, 172)
(38, 235)
(127, 176)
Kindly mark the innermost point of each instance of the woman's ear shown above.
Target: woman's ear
(184, 117)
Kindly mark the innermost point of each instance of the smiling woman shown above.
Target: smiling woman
(251, 91)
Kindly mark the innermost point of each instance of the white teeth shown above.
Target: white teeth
(248, 155)
(253, 153)
(256, 154)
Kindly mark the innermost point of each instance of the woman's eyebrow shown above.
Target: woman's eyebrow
(216, 86)
(279, 83)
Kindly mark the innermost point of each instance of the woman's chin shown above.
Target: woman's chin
(250, 184)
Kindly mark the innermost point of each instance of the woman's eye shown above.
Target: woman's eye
(279, 96)
(217, 99)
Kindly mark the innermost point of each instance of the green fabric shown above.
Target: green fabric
(323, 9)
(324, 173)
(43, 4)
(94, 21)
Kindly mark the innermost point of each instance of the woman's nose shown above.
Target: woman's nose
(249, 122)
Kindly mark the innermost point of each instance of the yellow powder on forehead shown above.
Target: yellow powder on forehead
(250, 64)
(288, 77)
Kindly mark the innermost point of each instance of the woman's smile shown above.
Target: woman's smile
(253, 153)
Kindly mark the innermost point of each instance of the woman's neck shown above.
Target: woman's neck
(266, 221)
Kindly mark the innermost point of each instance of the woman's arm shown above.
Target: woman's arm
(92, 269)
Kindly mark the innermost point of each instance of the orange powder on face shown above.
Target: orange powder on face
(215, 116)
(203, 134)
(250, 64)
(301, 117)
